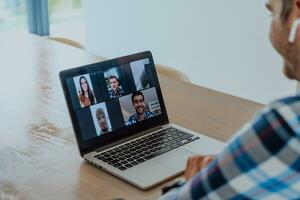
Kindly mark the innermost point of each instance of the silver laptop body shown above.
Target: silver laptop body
(121, 145)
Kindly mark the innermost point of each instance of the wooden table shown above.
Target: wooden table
(39, 158)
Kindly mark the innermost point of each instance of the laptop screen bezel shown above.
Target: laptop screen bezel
(122, 133)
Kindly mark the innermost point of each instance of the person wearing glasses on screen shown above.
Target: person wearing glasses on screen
(116, 89)
(85, 94)
(102, 121)
(138, 102)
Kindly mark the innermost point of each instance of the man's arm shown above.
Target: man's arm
(260, 160)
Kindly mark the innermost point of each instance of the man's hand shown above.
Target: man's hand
(195, 164)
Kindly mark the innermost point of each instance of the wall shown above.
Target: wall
(221, 45)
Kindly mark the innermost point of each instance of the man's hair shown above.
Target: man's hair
(137, 94)
(111, 77)
(100, 111)
(286, 9)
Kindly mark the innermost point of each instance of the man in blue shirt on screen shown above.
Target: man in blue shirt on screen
(262, 161)
(138, 102)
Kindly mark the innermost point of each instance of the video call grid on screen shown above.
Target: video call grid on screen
(113, 98)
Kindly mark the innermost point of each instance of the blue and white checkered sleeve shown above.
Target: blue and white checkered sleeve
(261, 161)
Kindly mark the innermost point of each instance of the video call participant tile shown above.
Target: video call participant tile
(140, 105)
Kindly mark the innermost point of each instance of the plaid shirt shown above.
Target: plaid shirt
(261, 162)
(133, 119)
(118, 93)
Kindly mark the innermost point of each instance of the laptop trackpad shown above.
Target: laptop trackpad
(175, 160)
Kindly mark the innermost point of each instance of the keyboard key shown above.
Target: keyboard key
(117, 165)
(128, 165)
(172, 130)
(158, 148)
(141, 155)
(173, 142)
(132, 154)
(122, 158)
(155, 144)
(117, 149)
(178, 139)
(186, 136)
(105, 155)
(122, 168)
(133, 148)
(128, 156)
(166, 140)
(184, 142)
(135, 157)
(140, 160)
(124, 162)
(113, 162)
(157, 153)
(123, 149)
(134, 163)
(101, 158)
(174, 146)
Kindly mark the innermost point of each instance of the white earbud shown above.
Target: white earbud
(293, 32)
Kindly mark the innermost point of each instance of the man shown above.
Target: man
(116, 90)
(138, 102)
(263, 160)
(102, 122)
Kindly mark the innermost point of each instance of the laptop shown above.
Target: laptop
(121, 123)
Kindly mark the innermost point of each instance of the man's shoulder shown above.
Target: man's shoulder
(132, 117)
(149, 113)
(131, 120)
(291, 103)
(285, 111)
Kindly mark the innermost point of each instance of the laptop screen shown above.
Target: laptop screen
(105, 99)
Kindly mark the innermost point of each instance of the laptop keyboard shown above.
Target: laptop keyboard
(138, 151)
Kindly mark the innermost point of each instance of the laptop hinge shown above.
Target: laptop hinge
(128, 138)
